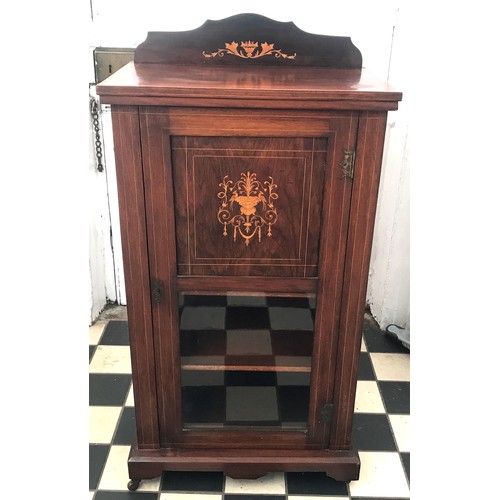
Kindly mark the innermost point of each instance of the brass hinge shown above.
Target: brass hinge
(326, 414)
(347, 164)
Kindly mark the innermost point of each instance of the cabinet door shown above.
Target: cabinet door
(247, 216)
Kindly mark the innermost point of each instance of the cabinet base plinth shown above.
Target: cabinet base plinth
(243, 464)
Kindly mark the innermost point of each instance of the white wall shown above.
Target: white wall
(389, 285)
(105, 250)
(375, 29)
(97, 268)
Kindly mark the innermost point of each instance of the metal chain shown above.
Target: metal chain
(94, 111)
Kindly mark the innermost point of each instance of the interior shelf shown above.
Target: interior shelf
(248, 364)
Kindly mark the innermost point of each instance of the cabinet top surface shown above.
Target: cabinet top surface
(235, 82)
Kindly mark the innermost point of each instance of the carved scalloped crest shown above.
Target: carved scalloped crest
(248, 39)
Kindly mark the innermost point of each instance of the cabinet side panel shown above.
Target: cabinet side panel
(371, 134)
(135, 256)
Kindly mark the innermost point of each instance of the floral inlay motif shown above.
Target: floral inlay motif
(249, 50)
(248, 206)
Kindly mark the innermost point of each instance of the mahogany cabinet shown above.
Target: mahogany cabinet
(248, 157)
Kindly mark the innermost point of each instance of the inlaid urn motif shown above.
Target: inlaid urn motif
(249, 50)
(248, 206)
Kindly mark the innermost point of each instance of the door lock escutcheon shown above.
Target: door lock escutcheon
(157, 291)
(326, 414)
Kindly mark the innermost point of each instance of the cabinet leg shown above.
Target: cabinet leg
(133, 484)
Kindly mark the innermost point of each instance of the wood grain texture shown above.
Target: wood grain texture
(248, 40)
(361, 223)
(282, 287)
(335, 217)
(162, 266)
(158, 84)
(340, 465)
(288, 246)
(135, 249)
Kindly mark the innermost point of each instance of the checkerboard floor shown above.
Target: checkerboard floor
(381, 431)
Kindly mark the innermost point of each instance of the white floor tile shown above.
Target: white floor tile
(363, 345)
(111, 359)
(102, 423)
(401, 427)
(368, 399)
(130, 397)
(190, 496)
(272, 483)
(95, 331)
(115, 474)
(381, 475)
(391, 366)
(150, 484)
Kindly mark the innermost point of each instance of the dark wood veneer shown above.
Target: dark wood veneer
(185, 124)
(295, 47)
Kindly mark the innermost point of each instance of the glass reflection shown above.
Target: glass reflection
(246, 361)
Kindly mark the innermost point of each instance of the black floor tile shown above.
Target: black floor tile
(243, 318)
(377, 341)
(92, 349)
(108, 390)
(247, 378)
(209, 482)
(125, 431)
(372, 432)
(288, 302)
(115, 333)
(203, 342)
(204, 404)
(406, 464)
(204, 300)
(98, 454)
(125, 495)
(396, 396)
(365, 368)
(293, 403)
(291, 318)
(314, 483)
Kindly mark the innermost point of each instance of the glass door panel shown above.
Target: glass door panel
(246, 361)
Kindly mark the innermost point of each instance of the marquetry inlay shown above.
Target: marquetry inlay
(249, 50)
(253, 202)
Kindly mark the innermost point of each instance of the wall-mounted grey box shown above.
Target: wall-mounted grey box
(107, 60)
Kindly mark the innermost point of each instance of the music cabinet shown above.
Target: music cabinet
(248, 156)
